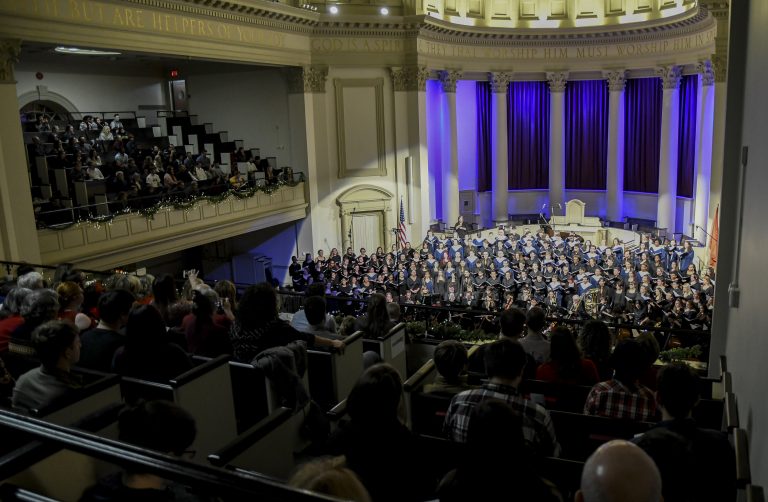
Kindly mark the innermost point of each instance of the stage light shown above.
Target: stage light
(333, 9)
(384, 11)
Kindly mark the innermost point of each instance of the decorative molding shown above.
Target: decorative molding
(617, 80)
(294, 78)
(9, 55)
(422, 75)
(670, 76)
(448, 79)
(557, 81)
(720, 67)
(42, 93)
(499, 81)
(707, 72)
(366, 199)
(377, 84)
(409, 78)
(314, 78)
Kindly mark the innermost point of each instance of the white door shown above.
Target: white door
(367, 232)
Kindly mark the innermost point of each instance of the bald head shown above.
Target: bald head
(620, 471)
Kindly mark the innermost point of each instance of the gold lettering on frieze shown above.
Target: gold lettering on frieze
(377, 45)
(94, 12)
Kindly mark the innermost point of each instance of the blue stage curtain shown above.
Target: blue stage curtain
(686, 144)
(586, 134)
(642, 134)
(484, 164)
(528, 133)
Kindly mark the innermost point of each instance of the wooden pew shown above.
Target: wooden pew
(205, 391)
(391, 348)
(709, 413)
(731, 415)
(751, 493)
(579, 435)
(556, 396)
(740, 443)
(332, 374)
(249, 392)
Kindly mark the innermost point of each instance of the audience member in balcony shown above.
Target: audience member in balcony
(451, 363)
(62, 160)
(496, 461)
(93, 172)
(184, 176)
(106, 136)
(170, 182)
(623, 396)
(330, 476)
(237, 180)
(95, 158)
(203, 159)
(504, 363)
(147, 352)
(595, 342)
(121, 157)
(153, 180)
(216, 175)
(378, 447)
(206, 329)
(85, 124)
(200, 173)
(77, 174)
(42, 124)
(566, 364)
(69, 133)
(257, 326)
(101, 342)
(116, 124)
(534, 341)
(57, 345)
(70, 302)
(161, 426)
(40, 306)
(10, 315)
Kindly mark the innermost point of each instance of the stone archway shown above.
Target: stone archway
(41, 93)
(366, 200)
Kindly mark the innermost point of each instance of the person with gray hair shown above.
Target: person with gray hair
(39, 306)
(30, 280)
(620, 471)
(10, 313)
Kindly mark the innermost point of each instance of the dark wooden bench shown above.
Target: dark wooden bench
(332, 374)
(579, 435)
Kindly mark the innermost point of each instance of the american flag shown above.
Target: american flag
(401, 228)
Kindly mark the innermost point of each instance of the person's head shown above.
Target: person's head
(495, 434)
(164, 289)
(226, 289)
(70, 294)
(504, 359)
(145, 327)
(157, 425)
(564, 351)
(114, 306)
(57, 344)
(595, 340)
(376, 397)
(628, 361)
(330, 476)
(677, 390)
(393, 309)
(258, 306)
(451, 359)
(620, 471)
(204, 300)
(13, 302)
(30, 280)
(40, 305)
(535, 319)
(314, 308)
(512, 322)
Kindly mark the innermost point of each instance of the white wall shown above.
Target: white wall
(250, 105)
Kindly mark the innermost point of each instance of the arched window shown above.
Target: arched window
(57, 114)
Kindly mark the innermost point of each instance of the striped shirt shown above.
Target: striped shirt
(538, 430)
(613, 399)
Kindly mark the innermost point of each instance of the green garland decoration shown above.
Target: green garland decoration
(177, 202)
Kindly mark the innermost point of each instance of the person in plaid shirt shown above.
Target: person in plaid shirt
(504, 363)
(624, 396)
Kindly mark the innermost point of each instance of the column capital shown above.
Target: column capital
(499, 80)
(617, 80)
(670, 76)
(409, 78)
(308, 79)
(720, 66)
(557, 81)
(449, 78)
(9, 54)
(707, 72)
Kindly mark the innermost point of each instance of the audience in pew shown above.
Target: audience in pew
(299, 320)
(376, 322)
(497, 463)
(39, 306)
(206, 328)
(624, 396)
(504, 363)
(101, 342)
(330, 476)
(451, 363)
(378, 447)
(695, 463)
(534, 342)
(10, 315)
(565, 364)
(161, 426)
(596, 344)
(619, 471)
(57, 345)
(512, 326)
(70, 302)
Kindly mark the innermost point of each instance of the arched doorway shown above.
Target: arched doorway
(56, 113)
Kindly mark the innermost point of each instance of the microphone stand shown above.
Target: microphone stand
(706, 233)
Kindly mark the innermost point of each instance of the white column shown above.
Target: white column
(670, 124)
(499, 158)
(614, 189)
(557, 83)
(18, 233)
(450, 167)
(704, 148)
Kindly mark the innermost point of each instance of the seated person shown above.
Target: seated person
(619, 471)
(512, 322)
(58, 346)
(496, 461)
(565, 364)
(623, 396)
(695, 463)
(161, 426)
(299, 319)
(534, 342)
(101, 342)
(314, 310)
(376, 322)
(330, 476)
(504, 363)
(451, 364)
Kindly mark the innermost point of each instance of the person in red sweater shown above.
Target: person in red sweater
(10, 315)
(565, 364)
